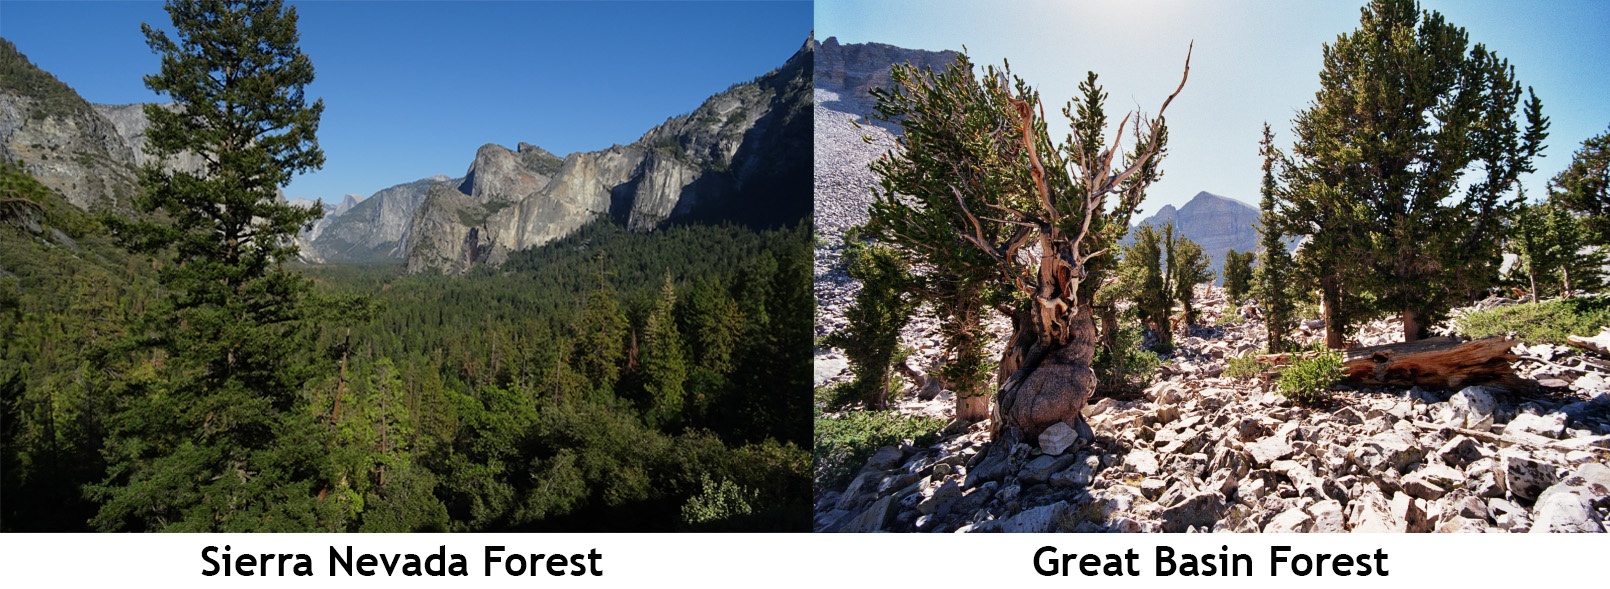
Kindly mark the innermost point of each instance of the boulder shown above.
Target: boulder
(1566, 512)
(1200, 510)
(1525, 477)
(1473, 408)
(1291, 520)
(1057, 438)
(1268, 450)
(1549, 425)
(1432, 481)
(1080, 475)
(1410, 514)
(1459, 451)
(885, 458)
(1038, 520)
(1328, 517)
(1142, 462)
(873, 519)
(1388, 450)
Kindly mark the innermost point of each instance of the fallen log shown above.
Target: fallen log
(1436, 362)
(1599, 344)
(1439, 362)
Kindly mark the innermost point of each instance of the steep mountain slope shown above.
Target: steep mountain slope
(743, 156)
(58, 138)
(852, 71)
(373, 229)
(131, 124)
(1218, 224)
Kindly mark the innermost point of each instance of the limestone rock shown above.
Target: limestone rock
(1524, 476)
(1142, 462)
(1199, 510)
(1057, 438)
(1473, 408)
(1551, 425)
(1291, 520)
(1037, 520)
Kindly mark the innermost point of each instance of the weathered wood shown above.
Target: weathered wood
(1599, 344)
(1435, 362)
(1439, 362)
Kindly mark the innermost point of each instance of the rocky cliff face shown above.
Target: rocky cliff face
(1216, 223)
(131, 125)
(853, 70)
(743, 156)
(58, 138)
(372, 229)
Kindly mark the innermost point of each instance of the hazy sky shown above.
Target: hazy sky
(1254, 61)
(411, 89)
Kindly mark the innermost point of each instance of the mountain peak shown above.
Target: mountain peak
(1217, 223)
(1209, 199)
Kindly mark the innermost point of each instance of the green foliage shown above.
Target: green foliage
(1273, 279)
(844, 442)
(1308, 379)
(220, 436)
(198, 383)
(1244, 366)
(1238, 274)
(1410, 219)
(1126, 367)
(1552, 250)
(1188, 267)
(716, 501)
(881, 309)
(1538, 323)
(1584, 187)
(53, 98)
(665, 367)
(1150, 284)
(67, 293)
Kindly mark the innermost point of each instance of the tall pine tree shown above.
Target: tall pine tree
(1273, 280)
(217, 432)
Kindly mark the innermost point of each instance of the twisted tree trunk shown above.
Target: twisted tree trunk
(1051, 381)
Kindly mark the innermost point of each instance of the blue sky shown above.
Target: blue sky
(1254, 61)
(411, 89)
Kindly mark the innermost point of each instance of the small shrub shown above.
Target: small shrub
(844, 443)
(1231, 318)
(1127, 370)
(1246, 366)
(716, 501)
(1309, 379)
(1538, 323)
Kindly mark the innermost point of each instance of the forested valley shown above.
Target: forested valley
(608, 381)
(170, 362)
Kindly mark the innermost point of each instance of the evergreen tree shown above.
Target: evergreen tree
(600, 339)
(1188, 268)
(881, 309)
(1238, 274)
(217, 434)
(970, 197)
(1142, 268)
(665, 369)
(1274, 290)
(1408, 114)
(1551, 250)
(1584, 187)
